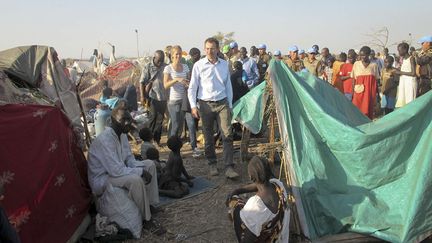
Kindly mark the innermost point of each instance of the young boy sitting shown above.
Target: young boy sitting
(146, 136)
(171, 180)
(153, 155)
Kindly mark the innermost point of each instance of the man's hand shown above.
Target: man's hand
(146, 177)
(195, 113)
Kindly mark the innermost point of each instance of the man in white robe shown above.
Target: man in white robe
(110, 160)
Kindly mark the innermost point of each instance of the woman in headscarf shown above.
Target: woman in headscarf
(265, 216)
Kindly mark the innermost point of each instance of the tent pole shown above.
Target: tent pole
(272, 138)
(87, 133)
(244, 145)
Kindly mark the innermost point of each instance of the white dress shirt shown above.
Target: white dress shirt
(210, 82)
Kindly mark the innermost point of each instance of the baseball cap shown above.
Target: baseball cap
(225, 49)
(233, 45)
(277, 53)
(424, 39)
(261, 46)
(293, 48)
(312, 50)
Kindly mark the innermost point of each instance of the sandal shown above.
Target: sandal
(154, 227)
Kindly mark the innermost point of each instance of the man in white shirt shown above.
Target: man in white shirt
(210, 87)
(250, 67)
(110, 161)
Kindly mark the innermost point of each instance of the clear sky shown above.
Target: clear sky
(82, 25)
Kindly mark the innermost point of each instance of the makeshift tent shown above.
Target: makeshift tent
(43, 171)
(39, 67)
(118, 75)
(42, 166)
(347, 172)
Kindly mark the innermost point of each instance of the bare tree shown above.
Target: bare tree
(224, 39)
(378, 38)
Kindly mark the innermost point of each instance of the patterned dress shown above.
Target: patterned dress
(366, 76)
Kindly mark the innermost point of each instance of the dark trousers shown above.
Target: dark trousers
(157, 113)
(220, 112)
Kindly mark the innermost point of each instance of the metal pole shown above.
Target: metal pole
(136, 31)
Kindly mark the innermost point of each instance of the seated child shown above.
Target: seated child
(146, 136)
(171, 180)
(153, 155)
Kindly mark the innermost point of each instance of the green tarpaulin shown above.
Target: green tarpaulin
(352, 174)
(249, 110)
(349, 173)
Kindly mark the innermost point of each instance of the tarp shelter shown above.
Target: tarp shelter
(349, 173)
(249, 110)
(43, 171)
(39, 67)
(118, 75)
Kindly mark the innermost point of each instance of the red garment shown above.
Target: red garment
(366, 100)
(346, 71)
(44, 173)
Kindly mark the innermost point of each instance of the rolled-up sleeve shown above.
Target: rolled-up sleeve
(228, 88)
(145, 76)
(193, 86)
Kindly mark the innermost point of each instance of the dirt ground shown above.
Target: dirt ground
(202, 218)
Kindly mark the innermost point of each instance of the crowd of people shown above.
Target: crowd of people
(204, 89)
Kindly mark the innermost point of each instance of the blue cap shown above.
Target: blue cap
(261, 46)
(301, 51)
(233, 45)
(312, 50)
(293, 48)
(277, 53)
(424, 39)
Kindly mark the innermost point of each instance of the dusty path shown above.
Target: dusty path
(202, 218)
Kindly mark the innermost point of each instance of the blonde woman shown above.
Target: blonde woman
(176, 79)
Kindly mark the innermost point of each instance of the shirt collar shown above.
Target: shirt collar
(208, 61)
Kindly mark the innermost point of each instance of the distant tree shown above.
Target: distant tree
(380, 39)
(224, 39)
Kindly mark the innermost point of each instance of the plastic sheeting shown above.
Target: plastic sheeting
(349, 173)
(249, 109)
(24, 62)
(39, 67)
